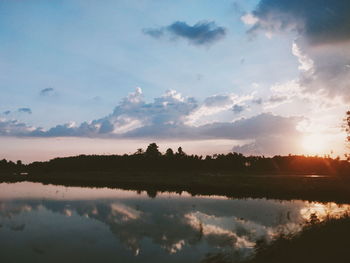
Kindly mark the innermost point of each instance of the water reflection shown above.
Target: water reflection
(54, 223)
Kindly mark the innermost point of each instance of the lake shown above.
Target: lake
(47, 223)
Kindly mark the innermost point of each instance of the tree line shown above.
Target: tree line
(152, 160)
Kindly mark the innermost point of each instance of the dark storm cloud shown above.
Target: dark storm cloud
(25, 110)
(322, 29)
(202, 33)
(320, 21)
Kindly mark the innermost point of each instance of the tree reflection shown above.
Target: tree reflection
(176, 225)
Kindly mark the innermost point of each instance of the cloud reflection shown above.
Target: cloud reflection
(180, 227)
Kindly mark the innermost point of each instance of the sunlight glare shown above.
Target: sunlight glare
(314, 144)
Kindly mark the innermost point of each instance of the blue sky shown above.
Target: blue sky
(79, 61)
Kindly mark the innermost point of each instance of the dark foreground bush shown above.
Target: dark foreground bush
(328, 241)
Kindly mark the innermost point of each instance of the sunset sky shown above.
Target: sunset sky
(258, 77)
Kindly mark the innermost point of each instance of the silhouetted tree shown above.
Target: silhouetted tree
(152, 151)
(180, 152)
(139, 151)
(152, 193)
(169, 152)
(9, 166)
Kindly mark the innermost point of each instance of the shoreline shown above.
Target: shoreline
(283, 187)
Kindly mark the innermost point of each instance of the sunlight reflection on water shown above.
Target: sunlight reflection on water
(47, 223)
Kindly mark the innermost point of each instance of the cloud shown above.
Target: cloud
(319, 21)
(106, 127)
(46, 91)
(329, 73)
(322, 30)
(171, 108)
(271, 144)
(306, 64)
(131, 113)
(257, 101)
(14, 128)
(201, 33)
(25, 110)
(154, 32)
(166, 117)
(238, 108)
(249, 19)
(261, 125)
(265, 124)
(219, 100)
(276, 100)
(216, 104)
(7, 112)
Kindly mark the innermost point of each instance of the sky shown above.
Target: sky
(268, 77)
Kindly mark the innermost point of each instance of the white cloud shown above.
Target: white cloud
(216, 104)
(306, 63)
(249, 19)
(168, 117)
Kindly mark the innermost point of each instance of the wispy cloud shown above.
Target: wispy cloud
(46, 91)
(25, 110)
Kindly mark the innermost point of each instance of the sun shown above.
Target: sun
(314, 144)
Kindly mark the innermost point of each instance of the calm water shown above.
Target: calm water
(41, 223)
